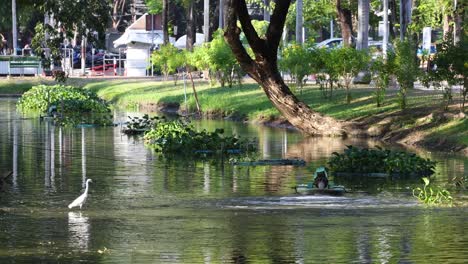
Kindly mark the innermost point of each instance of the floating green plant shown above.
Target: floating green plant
(139, 125)
(67, 105)
(180, 138)
(378, 160)
(432, 196)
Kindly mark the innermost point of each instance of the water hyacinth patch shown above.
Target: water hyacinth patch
(139, 125)
(67, 105)
(180, 138)
(378, 160)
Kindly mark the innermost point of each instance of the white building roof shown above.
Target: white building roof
(141, 36)
(182, 41)
(137, 33)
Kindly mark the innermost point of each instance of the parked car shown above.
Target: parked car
(336, 42)
(330, 43)
(376, 48)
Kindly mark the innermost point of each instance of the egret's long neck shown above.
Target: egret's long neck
(87, 185)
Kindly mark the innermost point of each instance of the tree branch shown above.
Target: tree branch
(257, 44)
(231, 36)
(275, 29)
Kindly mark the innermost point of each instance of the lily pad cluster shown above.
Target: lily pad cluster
(67, 105)
(180, 138)
(378, 160)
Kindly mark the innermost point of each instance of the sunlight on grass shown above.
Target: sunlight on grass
(456, 130)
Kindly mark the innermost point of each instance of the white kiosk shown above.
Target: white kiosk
(139, 38)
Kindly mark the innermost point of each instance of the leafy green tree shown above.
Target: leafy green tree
(406, 68)
(198, 58)
(81, 17)
(317, 14)
(27, 16)
(168, 59)
(262, 66)
(296, 60)
(350, 63)
(428, 13)
(221, 60)
(329, 75)
(452, 66)
(381, 72)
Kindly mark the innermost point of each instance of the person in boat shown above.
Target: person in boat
(321, 178)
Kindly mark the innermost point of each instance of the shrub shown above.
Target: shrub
(60, 76)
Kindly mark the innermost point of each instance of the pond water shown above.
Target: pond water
(142, 209)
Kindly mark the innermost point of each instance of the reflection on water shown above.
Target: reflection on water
(79, 230)
(145, 209)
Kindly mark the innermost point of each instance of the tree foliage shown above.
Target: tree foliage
(296, 60)
(382, 70)
(349, 64)
(452, 66)
(406, 68)
(317, 14)
(167, 59)
(154, 6)
(84, 18)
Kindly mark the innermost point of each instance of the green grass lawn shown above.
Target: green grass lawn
(18, 85)
(454, 130)
(246, 100)
(250, 101)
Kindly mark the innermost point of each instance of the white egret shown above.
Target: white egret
(82, 198)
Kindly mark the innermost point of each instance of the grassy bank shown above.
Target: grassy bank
(423, 123)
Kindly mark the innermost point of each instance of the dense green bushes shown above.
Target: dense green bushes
(357, 160)
(66, 104)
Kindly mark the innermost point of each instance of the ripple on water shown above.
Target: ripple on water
(319, 201)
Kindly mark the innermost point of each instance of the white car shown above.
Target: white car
(335, 43)
(330, 43)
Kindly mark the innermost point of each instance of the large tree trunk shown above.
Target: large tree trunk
(363, 28)
(206, 20)
(165, 18)
(459, 15)
(346, 23)
(191, 25)
(14, 27)
(299, 22)
(393, 18)
(264, 68)
(266, 11)
(405, 16)
(220, 9)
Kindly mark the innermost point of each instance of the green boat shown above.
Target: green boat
(271, 162)
(309, 189)
(328, 188)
